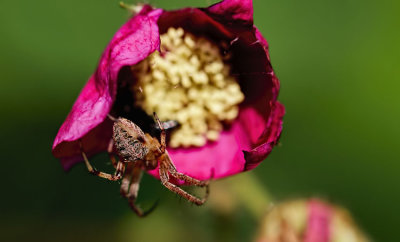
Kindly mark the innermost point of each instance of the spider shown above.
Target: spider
(140, 151)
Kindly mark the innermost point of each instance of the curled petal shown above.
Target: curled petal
(269, 138)
(133, 42)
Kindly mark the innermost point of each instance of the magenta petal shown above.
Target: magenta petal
(228, 155)
(133, 42)
(270, 137)
(234, 10)
(89, 110)
(319, 218)
(214, 160)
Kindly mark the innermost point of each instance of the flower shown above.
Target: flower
(309, 220)
(229, 138)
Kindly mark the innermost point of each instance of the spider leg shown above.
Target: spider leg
(126, 180)
(162, 136)
(165, 181)
(112, 177)
(133, 189)
(130, 188)
(190, 180)
(111, 154)
(111, 117)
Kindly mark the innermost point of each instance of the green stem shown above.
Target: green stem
(247, 189)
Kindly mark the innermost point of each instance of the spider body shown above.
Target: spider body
(138, 151)
(132, 144)
(130, 141)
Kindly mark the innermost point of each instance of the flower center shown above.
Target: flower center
(188, 82)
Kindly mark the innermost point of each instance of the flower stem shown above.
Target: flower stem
(252, 194)
(242, 190)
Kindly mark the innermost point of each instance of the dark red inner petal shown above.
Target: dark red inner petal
(93, 142)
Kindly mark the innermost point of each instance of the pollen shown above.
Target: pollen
(188, 81)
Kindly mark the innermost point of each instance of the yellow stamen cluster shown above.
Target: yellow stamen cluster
(190, 83)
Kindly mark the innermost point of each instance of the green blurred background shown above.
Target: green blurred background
(338, 63)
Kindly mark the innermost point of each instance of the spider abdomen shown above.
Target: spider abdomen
(129, 140)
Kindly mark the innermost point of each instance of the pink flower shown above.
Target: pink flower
(240, 147)
(309, 220)
(319, 219)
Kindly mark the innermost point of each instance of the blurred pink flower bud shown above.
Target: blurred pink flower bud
(310, 220)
